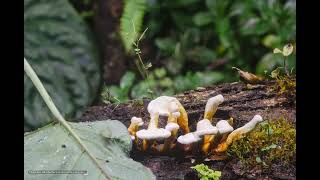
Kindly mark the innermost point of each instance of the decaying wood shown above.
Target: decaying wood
(240, 103)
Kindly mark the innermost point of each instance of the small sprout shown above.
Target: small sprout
(287, 50)
(205, 173)
(149, 65)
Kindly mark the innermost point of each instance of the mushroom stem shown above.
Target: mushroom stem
(183, 119)
(208, 139)
(236, 134)
(212, 106)
(133, 128)
(168, 143)
(154, 120)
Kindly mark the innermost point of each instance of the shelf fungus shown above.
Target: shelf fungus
(168, 118)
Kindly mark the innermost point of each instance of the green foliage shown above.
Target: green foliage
(243, 32)
(205, 173)
(272, 142)
(284, 84)
(118, 93)
(52, 148)
(160, 84)
(59, 47)
(131, 21)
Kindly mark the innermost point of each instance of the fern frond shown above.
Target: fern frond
(131, 21)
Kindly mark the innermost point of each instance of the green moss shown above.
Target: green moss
(272, 142)
(205, 173)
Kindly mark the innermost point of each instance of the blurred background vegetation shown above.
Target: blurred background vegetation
(189, 43)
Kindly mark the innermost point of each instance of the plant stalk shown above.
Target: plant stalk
(47, 99)
(285, 66)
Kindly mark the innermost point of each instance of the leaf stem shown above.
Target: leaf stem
(47, 99)
(285, 66)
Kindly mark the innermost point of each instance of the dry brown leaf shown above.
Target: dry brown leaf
(248, 77)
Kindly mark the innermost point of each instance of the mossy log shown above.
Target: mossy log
(241, 103)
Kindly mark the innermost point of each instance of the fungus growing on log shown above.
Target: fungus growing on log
(210, 110)
(177, 118)
(153, 132)
(206, 136)
(166, 105)
(236, 134)
(133, 128)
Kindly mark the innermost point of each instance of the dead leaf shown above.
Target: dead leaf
(248, 77)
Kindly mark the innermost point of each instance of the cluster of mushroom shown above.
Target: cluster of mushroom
(206, 137)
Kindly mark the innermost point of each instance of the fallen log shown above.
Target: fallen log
(241, 103)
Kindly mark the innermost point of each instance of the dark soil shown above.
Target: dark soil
(240, 103)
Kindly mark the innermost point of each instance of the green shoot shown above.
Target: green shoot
(205, 173)
(143, 69)
(287, 50)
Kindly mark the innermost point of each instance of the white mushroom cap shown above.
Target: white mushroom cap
(188, 138)
(214, 101)
(153, 133)
(172, 126)
(204, 127)
(251, 124)
(135, 120)
(133, 138)
(224, 127)
(254, 121)
(164, 105)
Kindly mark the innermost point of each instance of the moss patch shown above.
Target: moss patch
(272, 142)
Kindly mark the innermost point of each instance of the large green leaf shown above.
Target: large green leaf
(60, 49)
(52, 148)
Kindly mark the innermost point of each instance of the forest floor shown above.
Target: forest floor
(240, 103)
